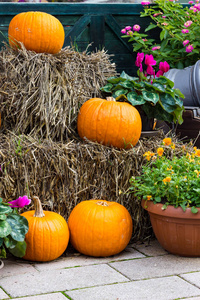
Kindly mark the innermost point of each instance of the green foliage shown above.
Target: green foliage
(13, 228)
(169, 17)
(157, 97)
(171, 180)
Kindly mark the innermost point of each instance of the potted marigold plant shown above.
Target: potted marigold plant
(169, 188)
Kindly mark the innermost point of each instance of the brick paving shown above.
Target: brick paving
(141, 271)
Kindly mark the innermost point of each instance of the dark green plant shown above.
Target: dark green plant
(13, 228)
(155, 96)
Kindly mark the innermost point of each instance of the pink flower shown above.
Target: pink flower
(157, 14)
(149, 60)
(145, 2)
(150, 70)
(184, 30)
(128, 27)
(163, 17)
(190, 2)
(155, 48)
(123, 31)
(164, 24)
(164, 66)
(136, 27)
(197, 6)
(185, 42)
(159, 73)
(144, 40)
(193, 8)
(129, 32)
(189, 48)
(20, 202)
(139, 59)
(188, 23)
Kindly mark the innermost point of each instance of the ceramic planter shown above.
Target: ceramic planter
(177, 231)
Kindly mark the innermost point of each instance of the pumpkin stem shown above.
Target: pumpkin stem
(38, 207)
(102, 203)
(110, 99)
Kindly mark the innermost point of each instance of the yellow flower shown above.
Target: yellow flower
(148, 155)
(169, 169)
(195, 148)
(160, 151)
(167, 141)
(197, 152)
(167, 179)
(148, 197)
(197, 172)
(173, 146)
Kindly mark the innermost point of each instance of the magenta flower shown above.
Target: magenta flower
(164, 24)
(190, 2)
(197, 6)
(157, 14)
(188, 23)
(163, 67)
(149, 60)
(129, 32)
(150, 70)
(128, 27)
(193, 8)
(189, 48)
(185, 42)
(184, 31)
(20, 202)
(163, 17)
(144, 40)
(145, 2)
(155, 48)
(123, 31)
(139, 60)
(136, 27)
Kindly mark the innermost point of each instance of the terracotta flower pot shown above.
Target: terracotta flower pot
(177, 231)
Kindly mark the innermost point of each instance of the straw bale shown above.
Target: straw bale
(63, 174)
(41, 94)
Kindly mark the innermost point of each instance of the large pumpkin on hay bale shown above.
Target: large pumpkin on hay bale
(100, 228)
(48, 234)
(109, 122)
(38, 31)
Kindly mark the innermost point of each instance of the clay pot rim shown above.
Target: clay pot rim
(169, 211)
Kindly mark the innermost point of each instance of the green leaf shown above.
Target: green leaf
(2, 252)
(9, 242)
(114, 80)
(168, 102)
(150, 96)
(1, 241)
(127, 84)
(107, 88)
(127, 77)
(19, 250)
(18, 229)
(194, 210)
(119, 93)
(151, 26)
(5, 209)
(158, 86)
(3, 217)
(135, 99)
(5, 228)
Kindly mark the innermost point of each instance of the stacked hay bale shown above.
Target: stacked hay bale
(40, 151)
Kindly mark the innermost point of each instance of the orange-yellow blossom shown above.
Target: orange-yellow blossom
(148, 155)
(160, 151)
(173, 146)
(197, 152)
(149, 197)
(197, 172)
(166, 179)
(167, 141)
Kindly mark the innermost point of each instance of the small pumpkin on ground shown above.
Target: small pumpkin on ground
(38, 31)
(100, 228)
(109, 122)
(48, 234)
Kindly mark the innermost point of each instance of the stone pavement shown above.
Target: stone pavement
(140, 272)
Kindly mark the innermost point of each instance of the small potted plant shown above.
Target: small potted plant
(13, 227)
(151, 93)
(169, 188)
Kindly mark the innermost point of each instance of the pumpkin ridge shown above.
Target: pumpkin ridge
(97, 114)
(109, 105)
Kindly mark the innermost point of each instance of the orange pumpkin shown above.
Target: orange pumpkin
(48, 234)
(109, 122)
(38, 31)
(100, 227)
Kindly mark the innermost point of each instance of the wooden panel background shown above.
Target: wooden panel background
(96, 24)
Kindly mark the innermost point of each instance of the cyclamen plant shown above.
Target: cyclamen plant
(178, 42)
(13, 227)
(150, 92)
